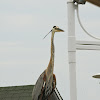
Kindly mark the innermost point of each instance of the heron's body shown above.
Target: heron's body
(47, 80)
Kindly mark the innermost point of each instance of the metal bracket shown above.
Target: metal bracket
(79, 1)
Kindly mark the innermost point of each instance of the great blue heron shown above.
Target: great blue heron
(46, 83)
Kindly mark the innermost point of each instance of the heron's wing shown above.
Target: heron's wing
(50, 93)
(39, 85)
(37, 88)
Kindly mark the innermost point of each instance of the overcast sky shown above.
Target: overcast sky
(24, 55)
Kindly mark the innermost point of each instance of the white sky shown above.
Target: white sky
(24, 54)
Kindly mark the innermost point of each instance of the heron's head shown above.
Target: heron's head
(57, 29)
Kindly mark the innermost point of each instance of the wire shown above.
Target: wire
(77, 10)
(47, 34)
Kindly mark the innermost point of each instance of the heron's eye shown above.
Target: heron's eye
(54, 26)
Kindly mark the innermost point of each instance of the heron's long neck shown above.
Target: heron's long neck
(49, 70)
(52, 50)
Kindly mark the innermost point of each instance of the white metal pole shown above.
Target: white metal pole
(72, 49)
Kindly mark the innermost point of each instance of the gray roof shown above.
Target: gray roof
(16, 92)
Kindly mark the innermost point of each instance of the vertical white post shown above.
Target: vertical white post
(72, 49)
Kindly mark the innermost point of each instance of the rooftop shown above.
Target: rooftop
(16, 92)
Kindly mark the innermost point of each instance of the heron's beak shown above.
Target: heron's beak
(59, 30)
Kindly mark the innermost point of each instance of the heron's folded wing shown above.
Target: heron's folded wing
(37, 88)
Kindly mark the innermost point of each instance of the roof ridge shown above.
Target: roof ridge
(15, 86)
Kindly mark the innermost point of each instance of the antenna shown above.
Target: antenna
(47, 34)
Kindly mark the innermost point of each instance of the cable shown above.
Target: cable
(77, 10)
